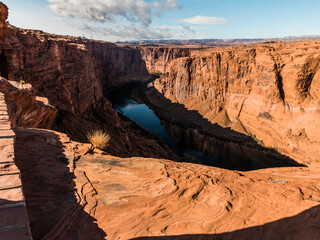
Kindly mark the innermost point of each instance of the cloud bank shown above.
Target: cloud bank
(131, 32)
(138, 13)
(106, 10)
(126, 19)
(204, 20)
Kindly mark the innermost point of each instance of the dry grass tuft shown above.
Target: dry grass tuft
(99, 139)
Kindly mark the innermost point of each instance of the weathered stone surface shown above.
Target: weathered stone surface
(8, 168)
(9, 181)
(13, 215)
(24, 107)
(70, 72)
(69, 88)
(3, 19)
(21, 233)
(159, 59)
(141, 197)
(271, 89)
(14, 223)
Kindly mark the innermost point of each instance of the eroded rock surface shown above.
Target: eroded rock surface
(60, 82)
(72, 73)
(98, 196)
(270, 89)
(3, 21)
(24, 107)
(159, 59)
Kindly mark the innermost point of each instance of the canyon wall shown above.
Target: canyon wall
(271, 89)
(3, 19)
(72, 73)
(60, 82)
(14, 223)
(159, 59)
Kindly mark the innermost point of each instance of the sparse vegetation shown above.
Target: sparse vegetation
(99, 139)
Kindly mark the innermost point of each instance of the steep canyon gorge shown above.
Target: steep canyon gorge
(260, 99)
(267, 91)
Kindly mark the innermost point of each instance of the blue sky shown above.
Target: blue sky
(114, 20)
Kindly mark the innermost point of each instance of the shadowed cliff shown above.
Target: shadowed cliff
(55, 207)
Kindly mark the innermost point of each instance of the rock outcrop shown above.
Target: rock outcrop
(3, 21)
(60, 82)
(97, 196)
(159, 59)
(25, 108)
(14, 223)
(270, 89)
(72, 73)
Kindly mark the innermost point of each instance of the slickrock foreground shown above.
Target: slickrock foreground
(13, 215)
(98, 196)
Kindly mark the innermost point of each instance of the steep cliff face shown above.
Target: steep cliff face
(159, 59)
(271, 89)
(24, 107)
(3, 19)
(72, 73)
(59, 82)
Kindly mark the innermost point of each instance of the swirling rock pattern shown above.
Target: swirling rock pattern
(101, 196)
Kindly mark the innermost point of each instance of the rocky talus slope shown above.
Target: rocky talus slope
(269, 91)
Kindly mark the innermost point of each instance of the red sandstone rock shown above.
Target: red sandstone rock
(159, 59)
(271, 89)
(24, 107)
(100, 196)
(72, 73)
(3, 19)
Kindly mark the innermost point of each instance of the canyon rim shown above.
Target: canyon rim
(199, 139)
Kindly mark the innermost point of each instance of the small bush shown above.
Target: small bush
(99, 139)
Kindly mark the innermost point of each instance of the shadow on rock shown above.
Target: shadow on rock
(55, 208)
(188, 129)
(304, 226)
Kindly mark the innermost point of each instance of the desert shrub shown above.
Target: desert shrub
(99, 139)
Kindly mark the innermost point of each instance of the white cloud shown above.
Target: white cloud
(106, 10)
(204, 20)
(167, 4)
(138, 13)
(127, 32)
(181, 27)
(102, 10)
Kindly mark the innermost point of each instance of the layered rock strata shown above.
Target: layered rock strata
(269, 89)
(14, 222)
(3, 19)
(60, 82)
(159, 59)
(72, 73)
